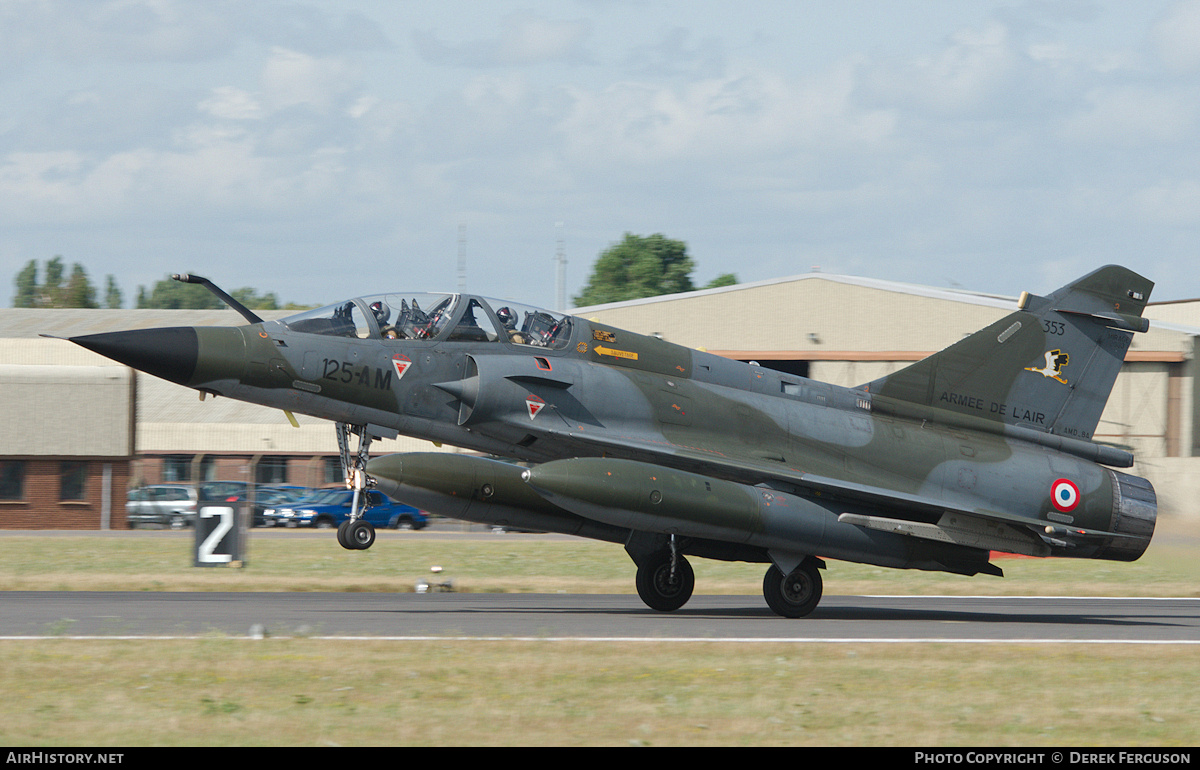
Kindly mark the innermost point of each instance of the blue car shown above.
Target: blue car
(328, 508)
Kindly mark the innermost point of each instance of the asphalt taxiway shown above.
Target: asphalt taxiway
(1065, 620)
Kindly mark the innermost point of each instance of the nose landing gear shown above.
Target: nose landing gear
(355, 534)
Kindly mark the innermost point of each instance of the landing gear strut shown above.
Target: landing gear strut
(355, 534)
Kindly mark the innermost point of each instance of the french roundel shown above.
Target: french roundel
(1065, 495)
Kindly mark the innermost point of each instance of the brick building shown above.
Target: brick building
(67, 445)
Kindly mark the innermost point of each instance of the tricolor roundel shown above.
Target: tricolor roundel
(1065, 495)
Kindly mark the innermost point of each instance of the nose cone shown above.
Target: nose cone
(170, 353)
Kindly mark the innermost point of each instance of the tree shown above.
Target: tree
(27, 286)
(53, 292)
(59, 291)
(79, 291)
(112, 294)
(638, 267)
(169, 294)
(724, 279)
(252, 299)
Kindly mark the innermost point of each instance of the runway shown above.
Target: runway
(48, 614)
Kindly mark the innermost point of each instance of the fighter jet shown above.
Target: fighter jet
(590, 430)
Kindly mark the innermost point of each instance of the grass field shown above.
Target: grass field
(304, 692)
(296, 561)
(310, 692)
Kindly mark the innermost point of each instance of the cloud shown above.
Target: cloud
(134, 31)
(1134, 116)
(68, 188)
(118, 30)
(1171, 202)
(232, 103)
(299, 94)
(964, 78)
(752, 115)
(673, 55)
(1176, 35)
(309, 29)
(291, 78)
(967, 141)
(524, 40)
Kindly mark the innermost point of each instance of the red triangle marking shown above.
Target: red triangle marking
(401, 362)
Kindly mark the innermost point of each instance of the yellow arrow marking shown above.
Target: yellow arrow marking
(603, 351)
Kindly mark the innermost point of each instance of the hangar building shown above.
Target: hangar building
(78, 430)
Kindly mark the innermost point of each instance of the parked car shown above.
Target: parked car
(170, 505)
(285, 514)
(265, 496)
(270, 498)
(223, 491)
(328, 508)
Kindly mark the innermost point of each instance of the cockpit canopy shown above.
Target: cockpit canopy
(436, 317)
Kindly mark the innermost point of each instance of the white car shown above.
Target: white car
(170, 505)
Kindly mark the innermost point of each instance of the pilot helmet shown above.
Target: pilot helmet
(507, 317)
(381, 311)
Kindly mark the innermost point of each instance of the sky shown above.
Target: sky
(321, 150)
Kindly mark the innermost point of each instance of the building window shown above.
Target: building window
(12, 479)
(333, 471)
(72, 476)
(272, 470)
(177, 469)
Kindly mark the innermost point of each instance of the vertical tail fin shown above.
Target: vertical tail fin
(1050, 366)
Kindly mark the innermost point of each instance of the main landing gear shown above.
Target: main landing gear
(665, 579)
(797, 593)
(355, 534)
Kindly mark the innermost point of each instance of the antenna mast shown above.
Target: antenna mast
(560, 259)
(462, 258)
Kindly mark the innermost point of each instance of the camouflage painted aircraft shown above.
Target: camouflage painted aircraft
(675, 453)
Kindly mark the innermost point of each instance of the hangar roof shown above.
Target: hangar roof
(818, 316)
(1183, 312)
(26, 323)
(957, 295)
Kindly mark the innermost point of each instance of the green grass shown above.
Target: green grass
(290, 561)
(227, 691)
(309, 692)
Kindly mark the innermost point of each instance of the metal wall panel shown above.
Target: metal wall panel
(66, 411)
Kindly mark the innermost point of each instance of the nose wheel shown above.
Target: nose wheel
(356, 535)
